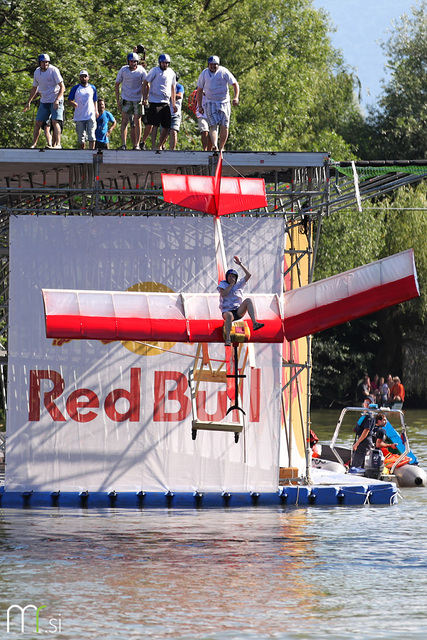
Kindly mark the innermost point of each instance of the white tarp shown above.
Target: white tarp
(83, 415)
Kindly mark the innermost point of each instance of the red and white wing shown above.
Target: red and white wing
(178, 317)
(350, 295)
(166, 317)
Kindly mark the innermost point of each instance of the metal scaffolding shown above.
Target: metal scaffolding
(302, 188)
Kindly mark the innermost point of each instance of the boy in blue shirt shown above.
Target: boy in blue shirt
(103, 130)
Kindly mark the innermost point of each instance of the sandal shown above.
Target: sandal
(257, 325)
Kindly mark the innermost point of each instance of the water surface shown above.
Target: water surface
(289, 573)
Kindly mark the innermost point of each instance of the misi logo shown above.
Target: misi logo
(30, 619)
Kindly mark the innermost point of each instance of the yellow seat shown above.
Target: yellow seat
(240, 331)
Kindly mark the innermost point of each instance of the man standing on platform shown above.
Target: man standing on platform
(131, 77)
(84, 99)
(49, 83)
(214, 82)
(176, 117)
(103, 129)
(159, 92)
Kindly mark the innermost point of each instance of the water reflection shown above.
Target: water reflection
(288, 574)
(166, 575)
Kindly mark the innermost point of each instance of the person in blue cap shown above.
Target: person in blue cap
(159, 93)
(231, 302)
(49, 83)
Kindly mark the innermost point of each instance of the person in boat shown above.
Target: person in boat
(374, 391)
(363, 442)
(381, 434)
(231, 302)
(384, 392)
(363, 389)
(397, 392)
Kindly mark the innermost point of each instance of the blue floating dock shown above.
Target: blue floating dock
(373, 493)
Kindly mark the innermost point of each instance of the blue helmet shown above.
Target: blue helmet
(44, 57)
(132, 56)
(231, 272)
(213, 60)
(163, 57)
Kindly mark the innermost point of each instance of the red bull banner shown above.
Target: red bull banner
(115, 415)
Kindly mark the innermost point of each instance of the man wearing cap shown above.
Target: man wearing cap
(84, 99)
(214, 82)
(130, 77)
(159, 92)
(49, 83)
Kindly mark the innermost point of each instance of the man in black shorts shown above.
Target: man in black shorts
(158, 91)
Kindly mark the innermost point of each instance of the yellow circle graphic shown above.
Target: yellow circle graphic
(144, 349)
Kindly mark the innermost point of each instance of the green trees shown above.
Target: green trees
(392, 340)
(397, 126)
(383, 342)
(295, 91)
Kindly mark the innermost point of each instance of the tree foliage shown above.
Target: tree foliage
(295, 91)
(397, 127)
(375, 343)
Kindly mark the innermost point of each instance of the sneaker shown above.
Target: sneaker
(123, 147)
(227, 343)
(143, 146)
(56, 146)
(137, 148)
(33, 146)
(257, 325)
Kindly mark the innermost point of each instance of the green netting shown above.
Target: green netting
(373, 172)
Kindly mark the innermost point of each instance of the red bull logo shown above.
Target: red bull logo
(171, 399)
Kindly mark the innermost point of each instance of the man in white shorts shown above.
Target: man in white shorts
(84, 99)
(214, 82)
(202, 124)
(49, 83)
(131, 77)
(176, 117)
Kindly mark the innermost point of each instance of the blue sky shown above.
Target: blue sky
(360, 25)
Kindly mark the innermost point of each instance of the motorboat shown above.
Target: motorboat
(400, 466)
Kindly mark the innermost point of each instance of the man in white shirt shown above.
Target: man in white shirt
(130, 77)
(231, 302)
(159, 92)
(49, 83)
(214, 82)
(84, 99)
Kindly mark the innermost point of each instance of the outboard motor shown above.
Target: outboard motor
(374, 463)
